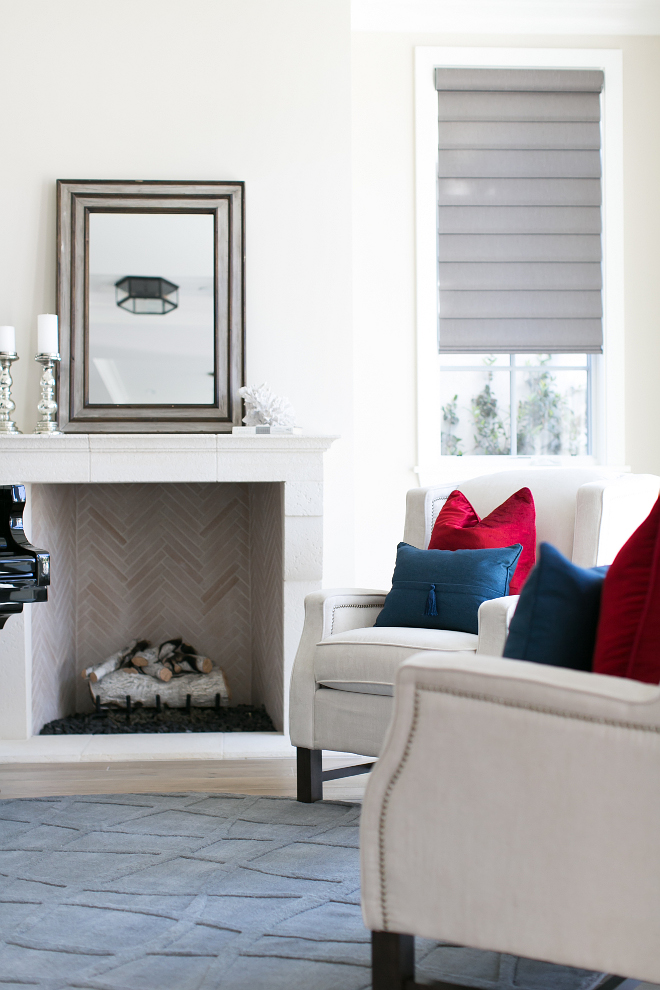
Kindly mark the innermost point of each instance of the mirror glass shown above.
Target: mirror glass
(151, 317)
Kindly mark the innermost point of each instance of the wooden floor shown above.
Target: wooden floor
(272, 776)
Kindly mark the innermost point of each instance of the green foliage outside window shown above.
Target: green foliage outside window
(545, 418)
(490, 432)
(540, 416)
(448, 440)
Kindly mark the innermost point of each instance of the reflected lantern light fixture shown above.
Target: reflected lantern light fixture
(142, 295)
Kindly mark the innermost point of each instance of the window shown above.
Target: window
(517, 404)
(520, 259)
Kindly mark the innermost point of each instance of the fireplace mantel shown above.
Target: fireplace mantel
(294, 462)
(172, 457)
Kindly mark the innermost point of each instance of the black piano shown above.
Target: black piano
(24, 569)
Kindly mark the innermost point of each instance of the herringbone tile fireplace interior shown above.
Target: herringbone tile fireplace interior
(202, 561)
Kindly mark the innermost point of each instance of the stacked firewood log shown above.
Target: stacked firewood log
(173, 674)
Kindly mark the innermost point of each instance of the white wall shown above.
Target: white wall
(201, 89)
(260, 90)
(384, 269)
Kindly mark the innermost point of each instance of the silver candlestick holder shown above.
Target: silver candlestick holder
(47, 406)
(7, 404)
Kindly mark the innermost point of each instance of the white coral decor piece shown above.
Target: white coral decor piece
(264, 408)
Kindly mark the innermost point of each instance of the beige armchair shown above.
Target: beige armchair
(515, 808)
(343, 677)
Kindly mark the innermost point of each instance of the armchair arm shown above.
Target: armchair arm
(515, 807)
(494, 620)
(422, 508)
(607, 512)
(327, 613)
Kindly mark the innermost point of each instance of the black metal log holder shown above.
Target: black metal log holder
(129, 709)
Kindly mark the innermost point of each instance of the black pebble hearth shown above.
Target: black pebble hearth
(241, 718)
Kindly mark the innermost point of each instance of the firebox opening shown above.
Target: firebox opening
(202, 562)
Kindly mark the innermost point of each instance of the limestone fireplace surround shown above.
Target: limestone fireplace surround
(214, 537)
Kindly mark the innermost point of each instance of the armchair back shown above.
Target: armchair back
(588, 513)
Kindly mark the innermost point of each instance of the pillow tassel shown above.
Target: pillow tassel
(431, 604)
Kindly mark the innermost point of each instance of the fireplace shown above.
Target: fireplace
(199, 560)
(213, 538)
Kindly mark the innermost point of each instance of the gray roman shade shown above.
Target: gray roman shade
(519, 210)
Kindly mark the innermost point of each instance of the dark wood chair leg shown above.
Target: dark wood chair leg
(393, 967)
(392, 960)
(310, 775)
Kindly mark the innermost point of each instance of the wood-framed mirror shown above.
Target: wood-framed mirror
(151, 305)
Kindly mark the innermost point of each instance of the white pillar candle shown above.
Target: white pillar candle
(47, 336)
(8, 340)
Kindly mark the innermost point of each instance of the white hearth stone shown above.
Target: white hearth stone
(157, 746)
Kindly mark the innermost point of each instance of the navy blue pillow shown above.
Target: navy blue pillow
(557, 615)
(443, 589)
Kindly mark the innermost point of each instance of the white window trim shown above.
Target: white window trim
(608, 375)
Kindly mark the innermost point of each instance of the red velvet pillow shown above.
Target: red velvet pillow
(628, 637)
(458, 527)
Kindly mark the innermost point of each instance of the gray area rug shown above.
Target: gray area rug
(203, 892)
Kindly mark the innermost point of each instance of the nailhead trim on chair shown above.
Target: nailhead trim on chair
(383, 812)
(434, 514)
(335, 607)
(505, 702)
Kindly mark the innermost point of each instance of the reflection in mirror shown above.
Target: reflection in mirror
(151, 322)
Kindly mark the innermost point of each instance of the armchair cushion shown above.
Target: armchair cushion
(366, 660)
(557, 615)
(458, 527)
(443, 589)
(629, 630)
